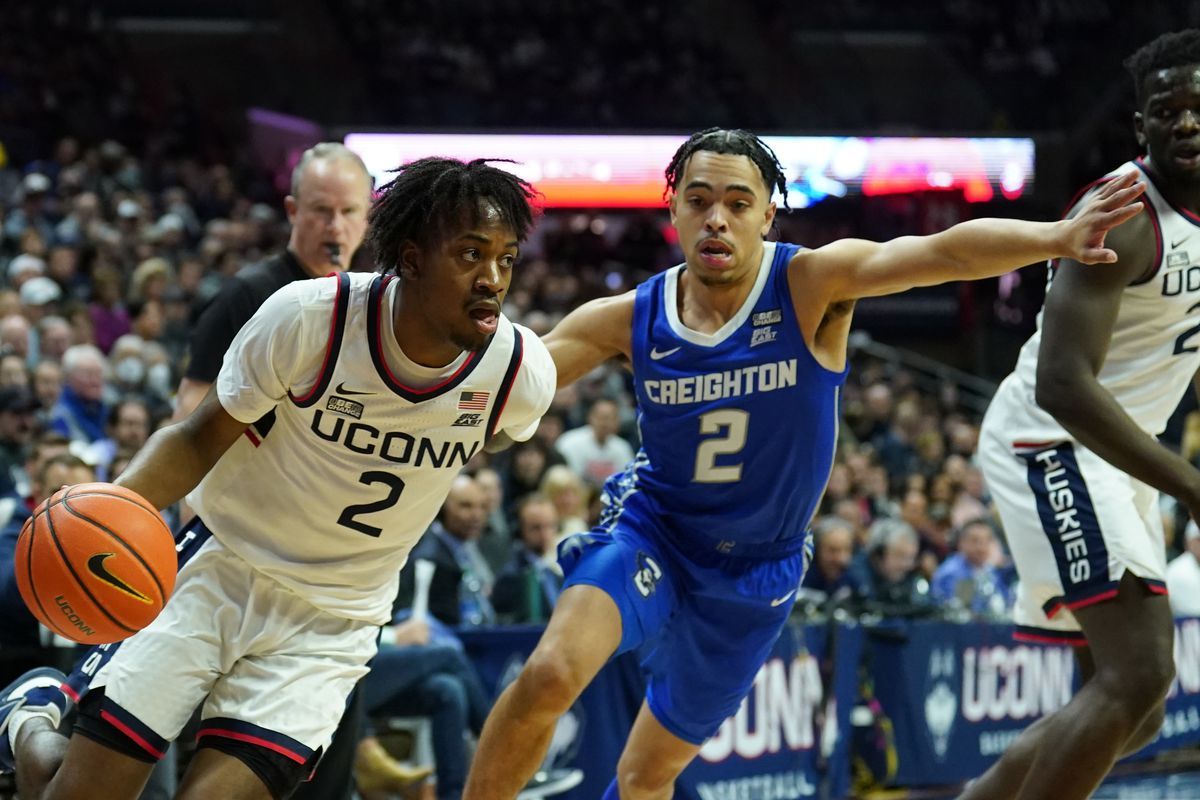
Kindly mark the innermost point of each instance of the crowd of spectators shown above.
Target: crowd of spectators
(106, 259)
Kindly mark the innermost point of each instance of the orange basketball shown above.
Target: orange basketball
(95, 563)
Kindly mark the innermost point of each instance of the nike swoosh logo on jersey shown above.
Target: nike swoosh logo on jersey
(96, 567)
(1175, 245)
(341, 389)
(780, 601)
(655, 354)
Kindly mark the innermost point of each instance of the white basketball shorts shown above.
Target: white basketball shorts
(1074, 524)
(264, 665)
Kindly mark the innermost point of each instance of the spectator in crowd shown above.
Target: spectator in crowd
(526, 464)
(109, 316)
(1183, 575)
(970, 576)
(47, 386)
(54, 338)
(833, 554)
(567, 492)
(129, 426)
(13, 371)
(15, 335)
(81, 412)
(17, 424)
(460, 591)
(595, 451)
(31, 213)
(39, 298)
(496, 541)
(528, 586)
(24, 268)
(18, 628)
(893, 579)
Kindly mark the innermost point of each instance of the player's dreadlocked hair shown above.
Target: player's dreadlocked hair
(430, 195)
(1177, 49)
(732, 141)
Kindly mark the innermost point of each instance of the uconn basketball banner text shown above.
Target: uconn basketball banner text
(958, 695)
(789, 741)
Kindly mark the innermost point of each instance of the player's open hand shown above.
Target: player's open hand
(1114, 203)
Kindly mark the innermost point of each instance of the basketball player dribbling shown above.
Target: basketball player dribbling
(304, 518)
(738, 357)
(1069, 452)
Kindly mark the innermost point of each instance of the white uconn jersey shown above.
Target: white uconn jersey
(330, 490)
(1155, 347)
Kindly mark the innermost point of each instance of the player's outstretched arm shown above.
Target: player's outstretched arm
(981, 248)
(1079, 314)
(590, 335)
(175, 459)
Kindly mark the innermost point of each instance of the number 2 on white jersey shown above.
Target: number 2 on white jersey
(732, 423)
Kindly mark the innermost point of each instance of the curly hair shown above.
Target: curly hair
(1177, 49)
(431, 195)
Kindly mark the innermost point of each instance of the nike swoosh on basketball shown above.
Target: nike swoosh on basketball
(96, 567)
(656, 354)
(780, 601)
(341, 389)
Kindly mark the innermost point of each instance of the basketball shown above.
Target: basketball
(95, 563)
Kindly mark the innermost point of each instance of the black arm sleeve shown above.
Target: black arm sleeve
(225, 315)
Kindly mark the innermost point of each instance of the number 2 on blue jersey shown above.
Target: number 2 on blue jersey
(732, 424)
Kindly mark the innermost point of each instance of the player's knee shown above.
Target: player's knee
(550, 682)
(638, 778)
(1143, 681)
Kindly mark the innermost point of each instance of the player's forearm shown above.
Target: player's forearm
(1091, 415)
(170, 465)
(983, 248)
(573, 358)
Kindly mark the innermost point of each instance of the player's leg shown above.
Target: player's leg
(213, 773)
(703, 667)
(85, 765)
(1005, 778)
(268, 718)
(651, 761)
(1074, 524)
(334, 777)
(1131, 638)
(618, 593)
(1150, 725)
(33, 703)
(521, 723)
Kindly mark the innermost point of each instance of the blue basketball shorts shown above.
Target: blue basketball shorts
(705, 623)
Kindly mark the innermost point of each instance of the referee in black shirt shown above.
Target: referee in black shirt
(327, 207)
(331, 194)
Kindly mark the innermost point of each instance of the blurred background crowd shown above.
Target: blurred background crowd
(129, 197)
(130, 193)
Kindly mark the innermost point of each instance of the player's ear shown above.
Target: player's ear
(1139, 128)
(408, 265)
(770, 219)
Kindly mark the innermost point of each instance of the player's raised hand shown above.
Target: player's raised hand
(1114, 203)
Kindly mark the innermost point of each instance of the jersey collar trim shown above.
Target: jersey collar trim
(375, 317)
(1190, 216)
(671, 301)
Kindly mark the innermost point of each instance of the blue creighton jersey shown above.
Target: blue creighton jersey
(738, 426)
